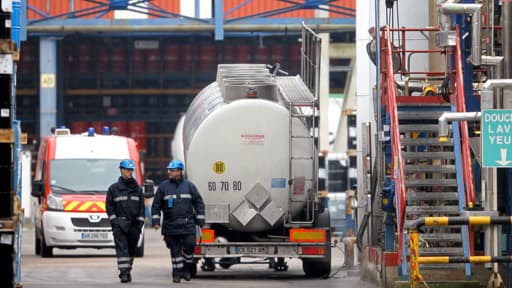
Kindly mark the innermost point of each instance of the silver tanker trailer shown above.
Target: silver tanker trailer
(248, 141)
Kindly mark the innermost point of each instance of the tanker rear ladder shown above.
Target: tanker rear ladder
(296, 111)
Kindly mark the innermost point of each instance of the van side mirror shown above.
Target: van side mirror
(37, 189)
(149, 188)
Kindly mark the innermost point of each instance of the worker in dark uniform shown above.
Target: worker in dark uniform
(125, 209)
(182, 208)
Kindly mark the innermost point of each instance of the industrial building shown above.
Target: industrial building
(139, 75)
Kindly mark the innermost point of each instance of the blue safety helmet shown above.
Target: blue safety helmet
(127, 164)
(176, 164)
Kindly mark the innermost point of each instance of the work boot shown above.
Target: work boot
(125, 278)
(186, 274)
(176, 278)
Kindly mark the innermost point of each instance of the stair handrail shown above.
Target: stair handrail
(397, 163)
(460, 103)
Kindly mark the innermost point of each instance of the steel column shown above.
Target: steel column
(47, 85)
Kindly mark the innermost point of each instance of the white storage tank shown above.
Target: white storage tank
(236, 145)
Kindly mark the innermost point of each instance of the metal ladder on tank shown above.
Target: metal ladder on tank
(306, 112)
(302, 94)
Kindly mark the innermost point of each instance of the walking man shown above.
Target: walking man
(182, 208)
(125, 209)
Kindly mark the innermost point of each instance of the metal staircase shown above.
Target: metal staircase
(431, 178)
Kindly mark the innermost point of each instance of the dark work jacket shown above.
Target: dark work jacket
(125, 203)
(183, 212)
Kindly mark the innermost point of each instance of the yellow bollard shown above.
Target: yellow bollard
(414, 269)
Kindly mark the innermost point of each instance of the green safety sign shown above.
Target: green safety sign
(496, 138)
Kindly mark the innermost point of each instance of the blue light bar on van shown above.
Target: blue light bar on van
(90, 131)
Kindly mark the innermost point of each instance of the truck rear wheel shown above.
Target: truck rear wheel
(320, 267)
(317, 268)
(208, 264)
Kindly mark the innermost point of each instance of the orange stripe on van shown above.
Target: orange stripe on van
(70, 205)
(84, 206)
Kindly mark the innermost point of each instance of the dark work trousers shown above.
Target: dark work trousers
(182, 252)
(126, 243)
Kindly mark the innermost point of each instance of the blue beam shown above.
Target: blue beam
(197, 10)
(244, 3)
(78, 13)
(23, 20)
(37, 11)
(269, 13)
(219, 19)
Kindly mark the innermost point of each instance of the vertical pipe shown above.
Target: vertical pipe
(506, 11)
(507, 173)
(507, 45)
(476, 45)
(491, 24)
(494, 207)
(507, 55)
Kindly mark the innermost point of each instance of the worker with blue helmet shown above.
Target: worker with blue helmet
(176, 164)
(183, 208)
(126, 211)
(127, 164)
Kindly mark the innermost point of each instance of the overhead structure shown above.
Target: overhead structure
(92, 18)
(103, 56)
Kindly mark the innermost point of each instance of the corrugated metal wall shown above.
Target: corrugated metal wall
(167, 5)
(344, 3)
(56, 7)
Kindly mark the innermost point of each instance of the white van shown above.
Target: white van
(72, 176)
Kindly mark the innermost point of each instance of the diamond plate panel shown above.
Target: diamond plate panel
(244, 213)
(272, 213)
(257, 196)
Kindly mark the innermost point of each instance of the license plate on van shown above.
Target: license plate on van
(95, 236)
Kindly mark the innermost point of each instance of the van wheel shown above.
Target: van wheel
(37, 245)
(46, 251)
(139, 251)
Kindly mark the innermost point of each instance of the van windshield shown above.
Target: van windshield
(92, 176)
